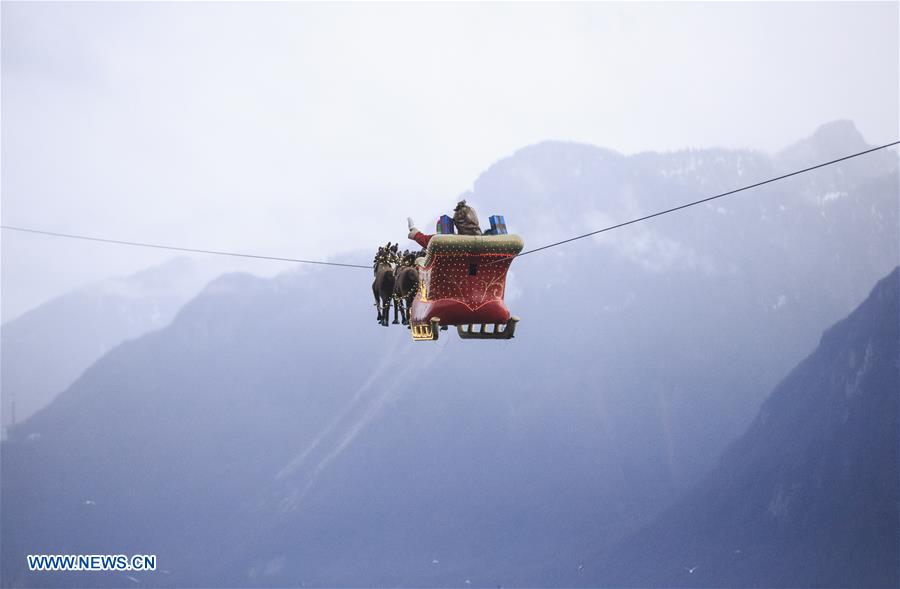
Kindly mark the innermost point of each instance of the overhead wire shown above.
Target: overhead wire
(707, 199)
(525, 253)
(179, 249)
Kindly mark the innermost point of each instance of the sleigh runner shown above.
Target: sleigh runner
(462, 282)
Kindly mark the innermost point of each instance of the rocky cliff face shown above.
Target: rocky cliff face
(808, 496)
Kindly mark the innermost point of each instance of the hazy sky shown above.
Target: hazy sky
(309, 130)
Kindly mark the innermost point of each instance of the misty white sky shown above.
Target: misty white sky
(309, 130)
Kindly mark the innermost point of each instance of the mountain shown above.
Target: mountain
(809, 496)
(275, 434)
(704, 291)
(46, 349)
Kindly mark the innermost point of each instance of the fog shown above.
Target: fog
(706, 399)
(313, 130)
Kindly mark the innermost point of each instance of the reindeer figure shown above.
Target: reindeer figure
(383, 286)
(406, 284)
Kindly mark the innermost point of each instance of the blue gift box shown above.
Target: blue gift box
(445, 225)
(498, 225)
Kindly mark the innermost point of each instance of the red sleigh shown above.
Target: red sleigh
(462, 280)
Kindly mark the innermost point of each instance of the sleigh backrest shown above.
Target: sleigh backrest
(470, 268)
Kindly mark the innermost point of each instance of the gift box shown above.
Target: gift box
(445, 225)
(498, 225)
